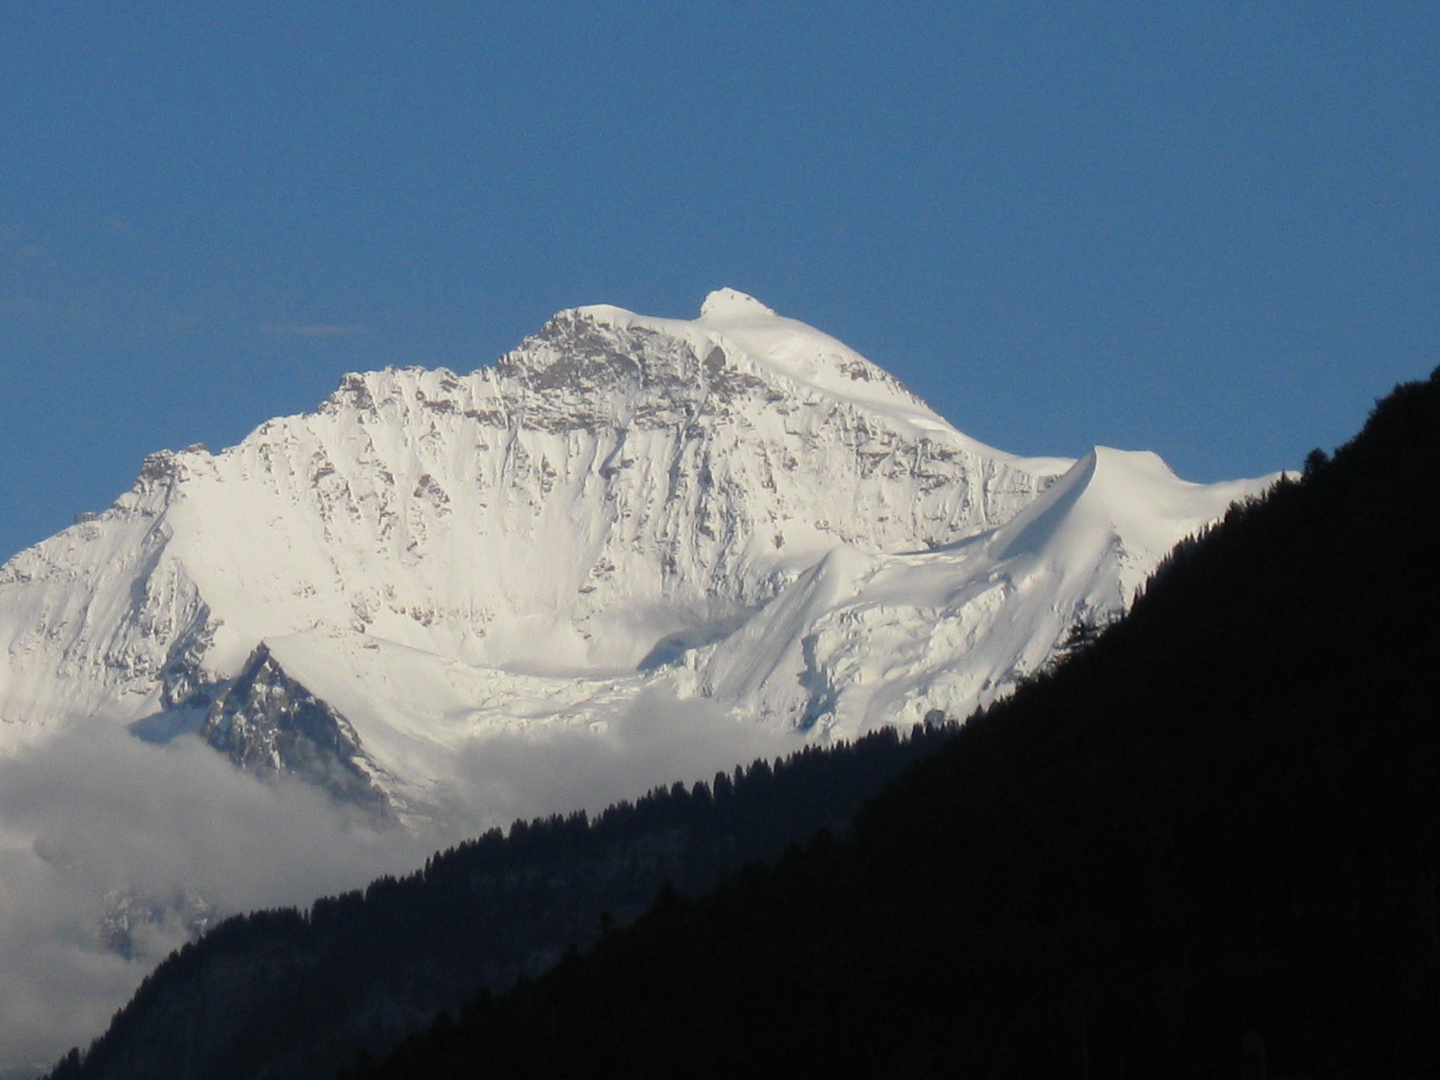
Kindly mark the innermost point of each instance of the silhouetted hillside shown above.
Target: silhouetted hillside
(289, 994)
(1205, 846)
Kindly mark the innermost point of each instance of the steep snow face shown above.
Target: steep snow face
(863, 640)
(616, 490)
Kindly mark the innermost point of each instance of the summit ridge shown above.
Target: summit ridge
(730, 304)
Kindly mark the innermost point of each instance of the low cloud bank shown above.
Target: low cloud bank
(113, 850)
(105, 836)
(657, 740)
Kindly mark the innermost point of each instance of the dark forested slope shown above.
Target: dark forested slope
(1204, 846)
(285, 994)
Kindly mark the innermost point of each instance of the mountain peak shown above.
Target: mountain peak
(730, 304)
(634, 547)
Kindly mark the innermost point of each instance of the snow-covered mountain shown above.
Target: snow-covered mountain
(633, 551)
(737, 508)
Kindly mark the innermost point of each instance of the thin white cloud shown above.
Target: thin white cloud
(94, 815)
(658, 740)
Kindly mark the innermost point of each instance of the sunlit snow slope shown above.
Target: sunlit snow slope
(737, 508)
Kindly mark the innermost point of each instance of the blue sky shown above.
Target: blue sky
(1211, 230)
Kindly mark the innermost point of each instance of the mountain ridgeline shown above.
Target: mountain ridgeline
(1207, 844)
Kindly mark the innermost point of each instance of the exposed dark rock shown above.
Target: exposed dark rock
(182, 684)
(271, 726)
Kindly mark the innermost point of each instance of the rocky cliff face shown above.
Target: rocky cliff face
(270, 725)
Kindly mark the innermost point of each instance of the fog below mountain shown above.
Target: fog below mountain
(96, 821)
